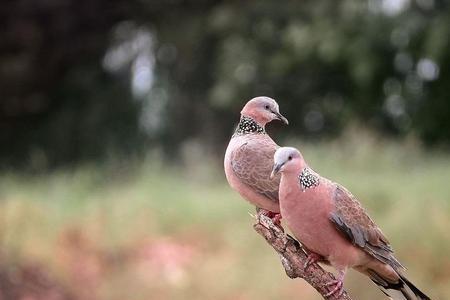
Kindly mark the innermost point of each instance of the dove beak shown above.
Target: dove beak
(281, 118)
(275, 170)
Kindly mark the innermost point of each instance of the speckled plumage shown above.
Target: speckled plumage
(308, 179)
(248, 125)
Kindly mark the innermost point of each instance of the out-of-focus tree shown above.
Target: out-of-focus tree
(57, 103)
(79, 78)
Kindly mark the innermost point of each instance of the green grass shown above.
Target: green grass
(154, 231)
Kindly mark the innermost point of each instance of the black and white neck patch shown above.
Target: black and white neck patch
(308, 179)
(248, 125)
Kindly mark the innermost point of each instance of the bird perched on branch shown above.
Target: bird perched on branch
(249, 156)
(334, 228)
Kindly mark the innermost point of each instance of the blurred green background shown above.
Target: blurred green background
(115, 115)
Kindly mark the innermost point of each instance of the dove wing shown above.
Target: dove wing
(351, 219)
(252, 163)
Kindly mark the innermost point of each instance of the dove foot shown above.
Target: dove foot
(313, 258)
(275, 217)
(338, 285)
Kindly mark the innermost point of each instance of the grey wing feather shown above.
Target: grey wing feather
(252, 163)
(350, 218)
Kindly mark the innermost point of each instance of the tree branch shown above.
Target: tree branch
(293, 258)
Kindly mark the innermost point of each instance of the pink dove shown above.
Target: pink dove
(249, 156)
(333, 226)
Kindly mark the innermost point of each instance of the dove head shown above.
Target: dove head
(286, 160)
(263, 110)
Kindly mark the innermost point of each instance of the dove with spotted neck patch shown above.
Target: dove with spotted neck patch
(333, 226)
(248, 158)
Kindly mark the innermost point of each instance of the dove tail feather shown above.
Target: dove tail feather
(402, 290)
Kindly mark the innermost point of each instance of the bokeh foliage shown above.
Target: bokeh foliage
(81, 79)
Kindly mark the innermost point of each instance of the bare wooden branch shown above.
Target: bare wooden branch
(293, 258)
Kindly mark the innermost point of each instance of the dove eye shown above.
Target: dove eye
(267, 107)
(290, 157)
